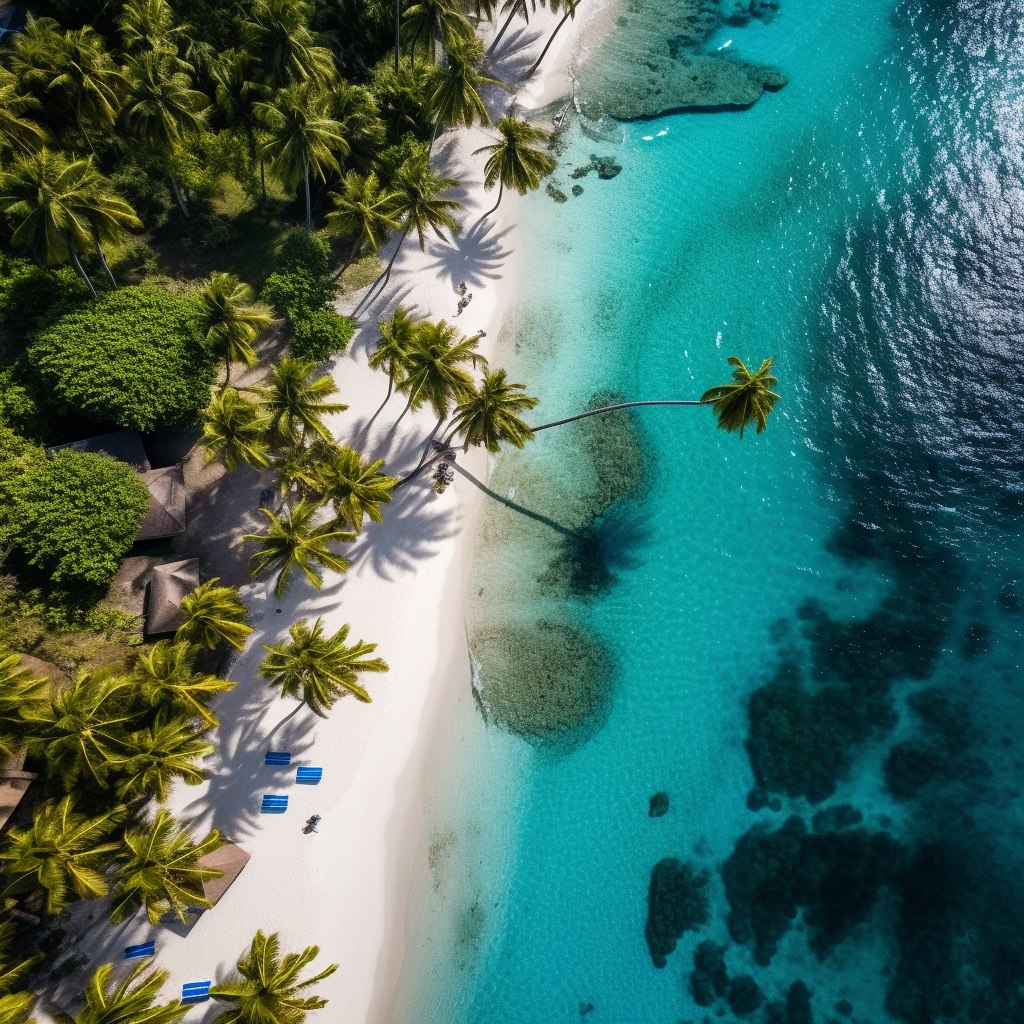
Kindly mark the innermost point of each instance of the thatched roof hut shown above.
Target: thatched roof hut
(123, 445)
(168, 584)
(230, 859)
(13, 783)
(165, 517)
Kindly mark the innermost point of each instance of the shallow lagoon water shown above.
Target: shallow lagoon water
(864, 226)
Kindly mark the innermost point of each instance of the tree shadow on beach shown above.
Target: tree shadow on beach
(513, 56)
(473, 256)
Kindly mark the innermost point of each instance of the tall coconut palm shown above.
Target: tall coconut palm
(41, 193)
(435, 21)
(232, 320)
(161, 106)
(296, 401)
(236, 96)
(19, 133)
(235, 431)
(16, 1007)
(514, 8)
(285, 50)
(514, 161)
(212, 616)
(397, 333)
(20, 694)
(296, 465)
(293, 540)
(457, 97)
(79, 732)
(364, 209)
(62, 852)
(130, 1001)
(491, 417)
(161, 871)
(569, 9)
(149, 25)
(319, 669)
(267, 989)
(160, 754)
(303, 140)
(167, 678)
(355, 488)
(749, 400)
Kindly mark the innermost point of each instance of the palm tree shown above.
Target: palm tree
(18, 132)
(514, 161)
(161, 105)
(232, 320)
(435, 20)
(62, 852)
(364, 209)
(12, 967)
(397, 333)
(457, 97)
(296, 464)
(749, 400)
(491, 416)
(213, 615)
(20, 694)
(149, 25)
(131, 1001)
(236, 95)
(356, 488)
(161, 871)
(42, 193)
(267, 989)
(319, 669)
(164, 751)
(569, 6)
(16, 1007)
(292, 540)
(296, 402)
(167, 678)
(513, 7)
(303, 139)
(235, 430)
(278, 36)
(80, 730)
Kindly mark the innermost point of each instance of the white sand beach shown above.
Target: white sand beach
(349, 887)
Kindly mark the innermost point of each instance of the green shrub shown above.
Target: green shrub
(321, 334)
(19, 406)
(29, 292)
(302, 250)
(74, 515)
(17, 456)
(131, 357)
(146, 190)
(296, 294)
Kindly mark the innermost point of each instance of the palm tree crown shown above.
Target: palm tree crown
(296, 401)
(235, 430)
(457, 97)
(749, 400)
(284, 49)
(161, 104)
(131, 1001)
(514, 161)
(491, 416)
(165, 751)
(364, 209)
(356, 488)
(419, 202)
(231, 319)
(167, 678)
(20, 695)
(433, 367)
(213, 615)
(18, 131)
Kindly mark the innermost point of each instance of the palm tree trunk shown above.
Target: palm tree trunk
(385, 277)
(263, 178)
(551, 38)
(309, 202)
(81, 271)
(227, 374)
(501, 192)
(179, 198)
(504, 28)
(103, 260)
(612, 408)
(426, 444)
(387, 398)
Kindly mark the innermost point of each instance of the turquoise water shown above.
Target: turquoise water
(863, 226)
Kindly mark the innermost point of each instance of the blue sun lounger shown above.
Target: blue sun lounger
(142, 949)
(274, 805)
(309, 776)
(277, 759)
(195, 991)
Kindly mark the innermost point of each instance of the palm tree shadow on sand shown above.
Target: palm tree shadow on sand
(473, 256)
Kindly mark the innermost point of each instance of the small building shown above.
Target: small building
(166, 503)
(230, 859)
(168, 584)
(123, 445)
(13, 783)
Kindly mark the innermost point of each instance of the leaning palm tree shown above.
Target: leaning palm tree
(284, 49)
(749, 400)
(355, 488)
(212, 616)
(162, 106)
(161, 872)
(397, 333)
(303, 140)
(232, 320)
(267, 989)
(364, 209)
(21, 693)
(236, 96)
(296, 401)
(235, 431)
(294, 541)
(62, 852)
(569, 7)
(19, 133)
(514, 160)
(457, 97)
(130, 1001)
(434, 21)
(491, 417)
(149, 25)
(167, 678)
(319, 669)
(159, 755)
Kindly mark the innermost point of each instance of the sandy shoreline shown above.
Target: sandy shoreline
(356, 887)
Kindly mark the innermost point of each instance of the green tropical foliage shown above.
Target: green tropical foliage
(20, 694)
(162, 753)
(749, 400)
(457, 98)
(235, 430)
(167, 678)
(514, 161)
(213, 615)
(355, 487)
(132, 1000)
(434, 368)
(491, 417)
(231, 320)
(296, 400)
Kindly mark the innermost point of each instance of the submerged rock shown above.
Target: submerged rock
(744, 996)
(677, 902)
(659, 805)
(710, 978)
(555, 192)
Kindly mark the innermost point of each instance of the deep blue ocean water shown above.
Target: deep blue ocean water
(855, 571)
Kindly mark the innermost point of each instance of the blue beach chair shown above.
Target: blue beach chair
(274, 805)
(195, 991)
(277, 759)
(309, 776)
(142, 949)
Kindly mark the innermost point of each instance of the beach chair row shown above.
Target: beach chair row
(305, 775)
(191, 991)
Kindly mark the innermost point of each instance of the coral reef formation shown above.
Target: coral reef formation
(677, 902)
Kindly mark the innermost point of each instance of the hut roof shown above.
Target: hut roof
(168, 584)
(123, 445)
(13, 783)
(230, 859)
(166, 503)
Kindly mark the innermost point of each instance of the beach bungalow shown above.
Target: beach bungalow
(168, 584)
(14, 781)
(123, 445)
(230, 859)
